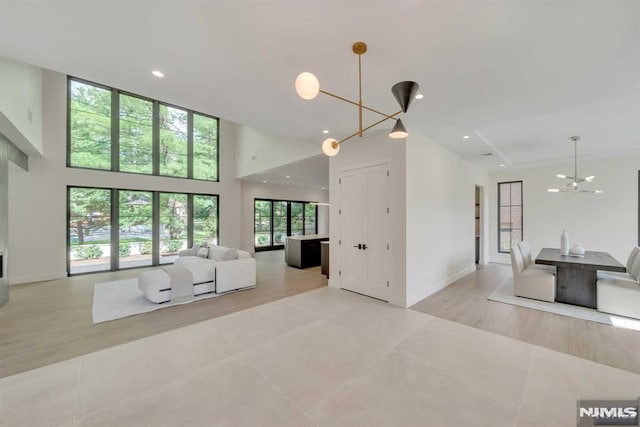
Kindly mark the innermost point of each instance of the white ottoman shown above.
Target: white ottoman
(156, 284)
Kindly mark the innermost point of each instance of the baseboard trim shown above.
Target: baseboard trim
(413, 299)
(39, 278)
(398, 302)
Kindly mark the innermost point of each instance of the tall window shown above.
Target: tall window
(509, 214)
(174, 220)
(89, 213)
(205, 147)
(89, 126)
(135, 238)
(117, 131)
(274, 220)
(110, 229)
(136, 135)
(173, 142)
(205, 218)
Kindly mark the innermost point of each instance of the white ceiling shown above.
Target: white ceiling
(312, 172)
(518, 76)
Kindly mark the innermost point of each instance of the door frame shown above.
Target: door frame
(481, 233)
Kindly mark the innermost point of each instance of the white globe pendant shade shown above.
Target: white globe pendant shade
(307, 86)
(330, 147)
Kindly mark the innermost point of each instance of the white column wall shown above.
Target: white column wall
(372, 149)
(259, 150)
(599, 222)
(440, 217)
(37, 199)
(21, 112)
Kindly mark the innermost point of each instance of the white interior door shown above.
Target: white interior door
(364, 220)
(351, 230)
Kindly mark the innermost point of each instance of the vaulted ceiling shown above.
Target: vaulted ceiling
(519, 77)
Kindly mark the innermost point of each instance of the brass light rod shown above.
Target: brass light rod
(370, 126)
(356, 104)
(360, 93)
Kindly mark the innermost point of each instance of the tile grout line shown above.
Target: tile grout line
(524, 388)
(75, 407)
(278, 389)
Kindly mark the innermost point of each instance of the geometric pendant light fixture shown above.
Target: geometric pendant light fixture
(572, 187)
(308, 87)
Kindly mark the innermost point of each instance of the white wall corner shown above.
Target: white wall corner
(430, 290)
(334, 283)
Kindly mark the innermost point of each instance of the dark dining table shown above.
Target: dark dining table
(576, 276)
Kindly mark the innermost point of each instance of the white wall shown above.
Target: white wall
(440, 217)
(600, 222)
(21, 105)
(373, 149)
(252, 190)
(258, 150)
(37, 199)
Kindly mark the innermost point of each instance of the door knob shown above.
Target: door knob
(364, 246)
(359, 246)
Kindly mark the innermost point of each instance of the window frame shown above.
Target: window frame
(115, 224)
(273, 247)
(155, 129)
(500, 250)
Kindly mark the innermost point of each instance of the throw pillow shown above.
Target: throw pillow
(229, 255)
(203, 252)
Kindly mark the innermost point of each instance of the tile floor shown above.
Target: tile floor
(325, 357)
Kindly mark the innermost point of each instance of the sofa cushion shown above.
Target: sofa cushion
(635, 269)
(222, 253)
(632, 258)
(203, 252)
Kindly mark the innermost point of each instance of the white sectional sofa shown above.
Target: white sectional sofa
(217, 269)
(619, 293)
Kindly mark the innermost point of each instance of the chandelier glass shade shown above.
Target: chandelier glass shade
(573, 187)
(308, 87)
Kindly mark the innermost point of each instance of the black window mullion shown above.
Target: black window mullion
(304, 219)
(115, 130)
(190, 220)
(288, 218)
(155, 154)
(189, 144)
(155, 229)
(115, 229)
(271, 223)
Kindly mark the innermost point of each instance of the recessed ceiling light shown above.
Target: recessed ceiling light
(325, 131)
(264, 182)
(419, 96)
(502, 165)
(465, 137)
(324, 188)
(157, 73)
(288, 176)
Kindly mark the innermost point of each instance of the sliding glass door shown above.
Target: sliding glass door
(89, 212)
(274, 220)
(112, 229)
(135, 228)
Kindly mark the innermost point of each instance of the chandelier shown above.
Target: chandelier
(572, 187)
(308, 87)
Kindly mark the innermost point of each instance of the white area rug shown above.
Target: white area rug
(123, 298)
(505, 294)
